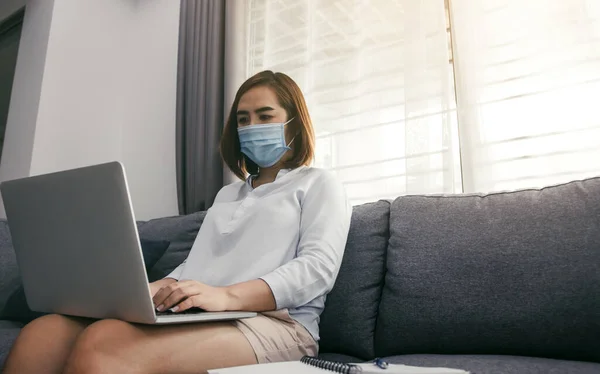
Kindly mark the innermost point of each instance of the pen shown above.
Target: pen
(380, 363)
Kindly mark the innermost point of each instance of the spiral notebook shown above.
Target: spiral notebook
(311, 365)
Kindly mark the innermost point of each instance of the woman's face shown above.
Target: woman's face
(260, 106)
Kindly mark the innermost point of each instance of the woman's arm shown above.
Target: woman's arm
(324, 226)
(254, 295)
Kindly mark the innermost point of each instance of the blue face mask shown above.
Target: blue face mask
(264, 144)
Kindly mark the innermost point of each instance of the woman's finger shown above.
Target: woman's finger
(161, 296)
(163, 293)
(180, 293)
(188, 303)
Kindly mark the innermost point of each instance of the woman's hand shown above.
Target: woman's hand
(183, 295)
(159, 284)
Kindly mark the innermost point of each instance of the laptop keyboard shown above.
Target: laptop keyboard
(189, 311)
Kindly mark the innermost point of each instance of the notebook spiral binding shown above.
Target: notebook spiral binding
(336, 367)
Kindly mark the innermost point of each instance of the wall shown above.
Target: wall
(107, 90)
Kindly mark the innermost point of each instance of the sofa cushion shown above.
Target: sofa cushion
(493, 364)
(484, 364)
(514, 273)
(153, 250)
(338, 357)
(8, 334)
(17, 309)
(180, 231)
(348, 321)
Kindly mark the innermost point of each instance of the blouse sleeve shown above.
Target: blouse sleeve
(324, 225)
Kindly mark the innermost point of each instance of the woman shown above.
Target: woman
(271, 243)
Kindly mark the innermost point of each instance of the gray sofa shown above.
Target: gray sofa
(495, 284)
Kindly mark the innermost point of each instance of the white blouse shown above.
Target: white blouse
(291, 233)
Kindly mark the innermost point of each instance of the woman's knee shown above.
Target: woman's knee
(52, 326)
(49, 321)
(99, 347)
(104, 335)
(44, 343)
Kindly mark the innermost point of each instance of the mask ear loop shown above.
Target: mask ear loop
(290, 120)
(291, 141)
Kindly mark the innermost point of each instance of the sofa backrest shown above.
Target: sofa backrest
(514, 273)
(348, 322)
(180, 231)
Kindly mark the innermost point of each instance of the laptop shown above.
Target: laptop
(78, 250)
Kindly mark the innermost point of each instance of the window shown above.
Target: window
(383, 85)
(528, 83)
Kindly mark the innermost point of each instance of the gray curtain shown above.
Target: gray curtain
(200, 103)
(10, 37)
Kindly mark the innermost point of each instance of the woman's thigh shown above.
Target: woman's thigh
(116, 346)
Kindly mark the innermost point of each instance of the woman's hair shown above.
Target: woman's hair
(291, 99)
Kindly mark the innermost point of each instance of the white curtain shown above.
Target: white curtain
(528, 90)
(379, 79)
(236, 46)
(378, 82)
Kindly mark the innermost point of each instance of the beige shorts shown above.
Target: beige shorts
(276, 337)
